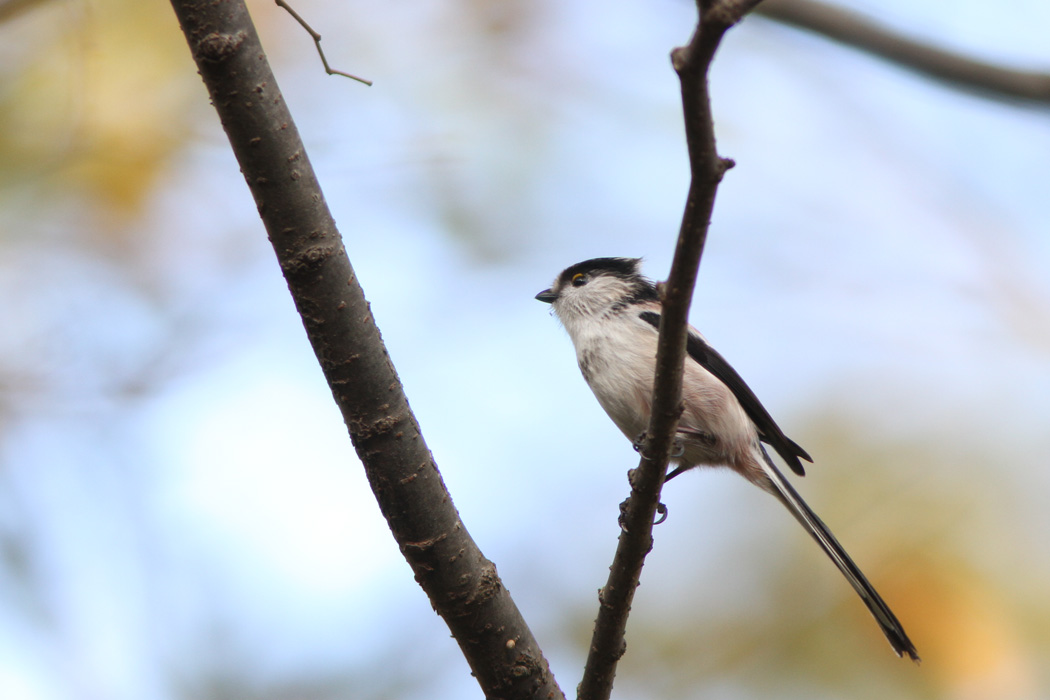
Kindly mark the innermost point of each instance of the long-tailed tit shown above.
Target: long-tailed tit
(612, 314)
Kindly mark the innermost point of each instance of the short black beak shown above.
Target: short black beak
(547, 296)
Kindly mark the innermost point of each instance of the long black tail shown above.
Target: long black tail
(891, 627)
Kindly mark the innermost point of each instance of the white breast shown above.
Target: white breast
(618, 364)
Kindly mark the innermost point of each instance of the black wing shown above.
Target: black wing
(768, 431)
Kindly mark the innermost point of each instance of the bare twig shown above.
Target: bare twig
(461, 583)
(691, 62)
(957, 70)
(317, 42)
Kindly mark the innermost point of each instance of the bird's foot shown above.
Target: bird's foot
(677, 447)
(639, 444)
(661, 512)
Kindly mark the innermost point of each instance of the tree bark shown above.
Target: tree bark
(462, 584)
(691, 62)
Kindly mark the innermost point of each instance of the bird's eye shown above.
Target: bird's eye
(579, 279)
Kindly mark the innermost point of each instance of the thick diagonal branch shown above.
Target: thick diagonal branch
(691, 62)
(461, 583)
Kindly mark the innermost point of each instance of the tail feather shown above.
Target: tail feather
(887, 621)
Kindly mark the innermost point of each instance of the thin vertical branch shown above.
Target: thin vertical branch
(461, 583)
(691, 62)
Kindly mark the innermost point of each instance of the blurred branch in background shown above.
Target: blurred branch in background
(11, 8)
(956, 69)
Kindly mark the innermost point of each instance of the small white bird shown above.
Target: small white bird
(612, 314)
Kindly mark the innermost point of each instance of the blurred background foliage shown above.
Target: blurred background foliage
(181, 515)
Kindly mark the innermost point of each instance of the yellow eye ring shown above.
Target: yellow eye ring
(579, 279)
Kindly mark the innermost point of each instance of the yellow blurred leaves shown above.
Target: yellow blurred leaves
(966, 632)
(97, 100)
